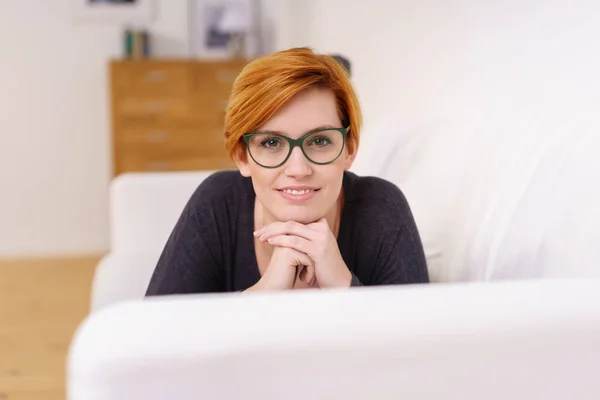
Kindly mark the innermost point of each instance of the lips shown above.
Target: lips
(298, 193)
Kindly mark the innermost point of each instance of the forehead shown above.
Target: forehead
(307, 110)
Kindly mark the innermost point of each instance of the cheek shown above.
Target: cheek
(262, 179)
(335, 172)
(332, 176)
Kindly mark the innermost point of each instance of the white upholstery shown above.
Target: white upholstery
(501, 167)
(144, 208)
(534, 340)
(511, 194)
(434, 163)
(121, 277)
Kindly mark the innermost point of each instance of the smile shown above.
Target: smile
(302, 191)
(298, 194)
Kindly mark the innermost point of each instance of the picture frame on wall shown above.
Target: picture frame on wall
(224, 29)
(114, 11)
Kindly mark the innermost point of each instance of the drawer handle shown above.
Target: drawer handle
(157, 137)
(155, 76)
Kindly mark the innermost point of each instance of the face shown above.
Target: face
(300, 190)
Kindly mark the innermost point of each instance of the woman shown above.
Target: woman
(293, 216)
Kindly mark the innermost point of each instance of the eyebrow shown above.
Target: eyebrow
(318, 128)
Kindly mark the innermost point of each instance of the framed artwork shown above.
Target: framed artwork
(214, 25)
(114, 11)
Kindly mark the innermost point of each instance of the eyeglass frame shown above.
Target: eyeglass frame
(296, 143)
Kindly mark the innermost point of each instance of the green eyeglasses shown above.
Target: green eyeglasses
(271, 150)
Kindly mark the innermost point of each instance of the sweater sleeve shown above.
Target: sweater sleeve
(401, 259)
(389, 248)
(355, 281)
(190, 261)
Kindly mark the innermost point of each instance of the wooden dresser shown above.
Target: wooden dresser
(168, 115)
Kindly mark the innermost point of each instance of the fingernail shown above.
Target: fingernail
(255, 233)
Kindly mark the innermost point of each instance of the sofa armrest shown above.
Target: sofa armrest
(144, 208)
(535, 340)
(121, 277)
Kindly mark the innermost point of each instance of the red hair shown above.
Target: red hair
(267, 83)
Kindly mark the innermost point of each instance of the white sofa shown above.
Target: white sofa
(144, 208)
(534, 340)
(508, 192)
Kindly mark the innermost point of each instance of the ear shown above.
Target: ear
(242, 161)
(349, 157)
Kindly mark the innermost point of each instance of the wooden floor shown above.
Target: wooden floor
(41, 304)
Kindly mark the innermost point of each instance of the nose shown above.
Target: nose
(297, 165)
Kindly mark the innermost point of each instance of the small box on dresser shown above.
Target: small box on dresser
(167, 115)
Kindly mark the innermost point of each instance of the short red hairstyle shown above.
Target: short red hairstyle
(267, 83)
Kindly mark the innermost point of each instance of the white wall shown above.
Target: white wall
(54, 120)
(414, 57)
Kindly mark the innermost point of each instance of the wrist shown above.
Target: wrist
(344, 280)
(266, 285)
(347, 280)
(257, 287)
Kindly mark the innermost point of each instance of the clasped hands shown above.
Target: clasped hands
(306, 252)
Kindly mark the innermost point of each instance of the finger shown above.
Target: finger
(293, 242)
(311, 274)
(280, 228)
(304, 260)
(305, 270)
(273, 225)
(285, 228)
(307, 275)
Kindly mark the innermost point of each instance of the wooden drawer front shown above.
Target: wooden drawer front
(156, 163)
(149, 77)
(154, 107)
(171, 141)
(209, 111)
(210, 108)
(216, 79)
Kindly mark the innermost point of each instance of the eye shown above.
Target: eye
(320, 141)
(271, 142)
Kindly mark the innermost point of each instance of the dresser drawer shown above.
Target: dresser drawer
(156, 163)
(215, 80)
(188, 110)
(217, 74)
(141, 107)
(210, 108)
(204, 141)
(152, 76)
